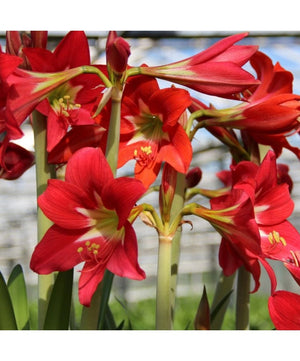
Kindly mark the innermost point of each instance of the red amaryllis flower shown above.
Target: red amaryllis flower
(269, 113)
(216, 70)
(232, 215)
(151, 132)
(90, 211)
(284, 309)
(60, 91)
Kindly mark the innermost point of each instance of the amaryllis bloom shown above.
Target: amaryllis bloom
(90, 212)
(57, 87)
(271, 205)
(151, 132)
(269, 113)
(216, 70)
(284, 309)
(232, 215)
(117, 53)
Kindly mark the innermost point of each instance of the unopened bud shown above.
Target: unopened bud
(117, 53)
(193, 177)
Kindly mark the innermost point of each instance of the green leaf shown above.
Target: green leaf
(7, 316)
(106, 289)
(218, 307)
(109, 323)
(18, 294)
(58, 312)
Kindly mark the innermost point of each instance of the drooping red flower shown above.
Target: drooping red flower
(284, 309)
(216, 70)
(232, 215)
(90, 211)
(269, 112)
(151, 132)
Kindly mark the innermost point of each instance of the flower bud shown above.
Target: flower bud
(193, 177)
(16, 160)
(117, 53)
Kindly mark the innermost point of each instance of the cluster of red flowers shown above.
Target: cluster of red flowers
(93, 211)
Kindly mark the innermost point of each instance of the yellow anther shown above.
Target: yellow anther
(295, 258)
(79, 250)
(135, 153)
(95, 252)
(147, 150)
(274, 237)
(61, 100)
(67, 97)
(65, 113)
(87, 243)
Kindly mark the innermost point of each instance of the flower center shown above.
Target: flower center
(62, 99)
(144, 155)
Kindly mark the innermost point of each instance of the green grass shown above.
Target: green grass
(141, 315)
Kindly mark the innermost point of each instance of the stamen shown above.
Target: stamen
(295, 259)
(144, 155)
(274, 237)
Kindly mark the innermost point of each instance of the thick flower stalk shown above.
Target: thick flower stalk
(90, 211)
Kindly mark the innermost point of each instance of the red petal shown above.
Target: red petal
(57, 251)
(89, 170)
(178, 153)
(60, 202)
(284, 308)
(91, 275)
(75, 139)
(121, 194)
(124, 262)
(72, 51)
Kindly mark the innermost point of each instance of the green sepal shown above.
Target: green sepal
(17, 289)
(7, 316)
(58, 312)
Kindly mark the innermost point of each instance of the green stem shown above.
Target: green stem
(243, 299)
(44, 171)
(163, 289)
(177, 205)
(224, 287)
(113, 140)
